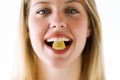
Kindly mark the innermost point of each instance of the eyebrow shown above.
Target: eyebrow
(71, 1)
(42, 2)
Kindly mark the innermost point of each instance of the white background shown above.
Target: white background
(109, 11)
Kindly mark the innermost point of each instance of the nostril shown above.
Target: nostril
(61, 26)
(53, 26)
(58, 25)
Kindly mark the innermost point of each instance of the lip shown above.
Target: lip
(58, 35)
(59, 51)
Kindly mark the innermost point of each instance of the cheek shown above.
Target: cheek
(36, 33)
(79, 28)
(36, 27)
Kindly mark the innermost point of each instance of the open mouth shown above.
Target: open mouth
(58, 43)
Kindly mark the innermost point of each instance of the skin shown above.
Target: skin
(58, 21)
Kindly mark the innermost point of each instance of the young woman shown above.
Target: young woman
(59, 40)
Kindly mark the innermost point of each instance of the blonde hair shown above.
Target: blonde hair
(92, 62)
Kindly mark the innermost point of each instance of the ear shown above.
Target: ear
(88, 32)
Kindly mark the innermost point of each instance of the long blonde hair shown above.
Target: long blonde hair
(92, 62)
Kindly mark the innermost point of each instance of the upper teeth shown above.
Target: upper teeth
(58, 39)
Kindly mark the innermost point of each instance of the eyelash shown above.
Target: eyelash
(43, 12)
(71, 11)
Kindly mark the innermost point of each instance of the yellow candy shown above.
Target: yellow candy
(58, 45)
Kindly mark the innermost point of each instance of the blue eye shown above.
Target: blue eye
(71, 11)
(43, 12)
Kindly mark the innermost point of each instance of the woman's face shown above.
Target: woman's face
(58, 30)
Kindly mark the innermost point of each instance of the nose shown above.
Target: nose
(57, 22)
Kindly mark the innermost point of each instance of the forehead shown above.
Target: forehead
(50, 1)
(54, 2)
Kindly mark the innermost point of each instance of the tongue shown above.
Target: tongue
(58, 45)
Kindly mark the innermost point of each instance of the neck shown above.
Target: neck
(71, 72)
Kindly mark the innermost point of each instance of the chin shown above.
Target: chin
(57, 62)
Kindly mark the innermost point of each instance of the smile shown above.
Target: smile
(60, 43)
